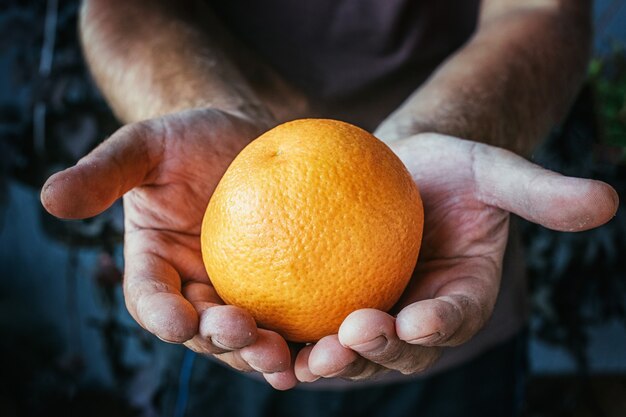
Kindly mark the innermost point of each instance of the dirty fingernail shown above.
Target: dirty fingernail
(370, 346)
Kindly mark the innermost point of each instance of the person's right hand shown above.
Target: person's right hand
(167, 169)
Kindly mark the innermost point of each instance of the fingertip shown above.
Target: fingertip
(570, 204)
(428, 322)
(46, 196)
(607, 201)
(301, 365)
(329, 358)
(269, 354)
(281, 381)
(366, 329)
(77, 193)
(169, 317)
(579, 204)
(541, 196)
(228, 327)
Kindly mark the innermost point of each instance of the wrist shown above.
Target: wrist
(402, 124)
(256, 115)
(143, 74)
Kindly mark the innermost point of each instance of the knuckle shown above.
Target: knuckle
(363, 370)
(420, 363)
(393, 353)
(202, 347)
(235, 361)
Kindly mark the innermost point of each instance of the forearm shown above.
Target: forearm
(151, 58)
(512, 81)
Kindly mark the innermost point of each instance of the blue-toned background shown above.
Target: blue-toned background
(68, 342)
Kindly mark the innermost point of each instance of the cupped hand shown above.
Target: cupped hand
(468, 190)
(167, 169)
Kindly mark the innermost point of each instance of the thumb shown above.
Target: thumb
(562, 203)
(121, 162)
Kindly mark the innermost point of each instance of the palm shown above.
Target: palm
(167, 169)
(461, 231)
(163, 216)
(468, 190)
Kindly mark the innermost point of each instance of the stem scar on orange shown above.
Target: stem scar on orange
(314, 219)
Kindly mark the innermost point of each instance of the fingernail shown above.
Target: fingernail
(221, 345)
(371, 346)
(433, 337)
(338, 373)
(306, 375)
(258, 369)
(308, 380)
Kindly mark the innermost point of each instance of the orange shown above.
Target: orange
(313, 220)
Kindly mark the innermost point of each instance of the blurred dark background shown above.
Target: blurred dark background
(68, 345)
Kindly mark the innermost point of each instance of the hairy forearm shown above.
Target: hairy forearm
(512, 81)
(151, 58)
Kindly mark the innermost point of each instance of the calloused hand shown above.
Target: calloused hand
(468, 190)
(167, 169)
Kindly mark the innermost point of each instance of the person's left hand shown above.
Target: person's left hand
(167, 169)
(468, 190)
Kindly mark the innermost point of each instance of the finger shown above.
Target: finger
(301, 365)
(201, 295)
(268, 354)
(372, 334)
(121, 162)
(434, 322)
(450, 302)
(282, 380)
(444, 321)
(541, 196)
(235, 361)
(153, 298)
(228, 327)
(222, 327)
(329, 359)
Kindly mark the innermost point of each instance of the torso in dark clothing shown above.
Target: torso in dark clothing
(359, 58)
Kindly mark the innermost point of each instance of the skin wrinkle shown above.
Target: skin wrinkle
(203, 347)
(164, 230)
(472, 165)
(184, 267)
(475, 239)
(163, 135)
(355, 370)
(399, 356)
(140, 197)
(532, 207)
(393, 352)
(156, 287)
(234, 359)
(198, 291)
(428, 289)
(149, 253)
(495, 193)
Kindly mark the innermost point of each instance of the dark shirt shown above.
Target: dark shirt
(358, 57)
(361, 59)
